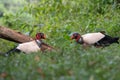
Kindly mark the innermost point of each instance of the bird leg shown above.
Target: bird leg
(85, 45)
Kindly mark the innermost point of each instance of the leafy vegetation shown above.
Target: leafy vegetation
(57, 19)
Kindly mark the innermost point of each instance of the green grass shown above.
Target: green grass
(57, 19)
(70, 63)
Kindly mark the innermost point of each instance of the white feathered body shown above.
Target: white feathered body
(92, 38)
(29, 47)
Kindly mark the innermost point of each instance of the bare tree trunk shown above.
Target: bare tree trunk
(12, 35)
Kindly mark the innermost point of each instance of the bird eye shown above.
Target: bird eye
(75, 35)
(42, 35)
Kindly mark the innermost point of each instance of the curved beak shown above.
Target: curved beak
(44, 37)
(71, 37)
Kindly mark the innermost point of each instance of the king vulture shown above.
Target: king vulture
(98, 39)
(29, 47)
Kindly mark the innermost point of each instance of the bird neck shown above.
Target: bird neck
(38, 42)
(80, 40)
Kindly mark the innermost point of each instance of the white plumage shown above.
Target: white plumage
(28, 47)
(92, 38)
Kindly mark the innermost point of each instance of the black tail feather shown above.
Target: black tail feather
(107, 40)
(116, 40)
(11, 51)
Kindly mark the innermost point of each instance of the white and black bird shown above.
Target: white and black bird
(98, 39)
(29, 47)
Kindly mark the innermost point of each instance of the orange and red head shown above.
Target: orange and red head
(40, 36)
(75, 36)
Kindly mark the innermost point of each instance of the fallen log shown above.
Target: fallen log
(13, 35)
